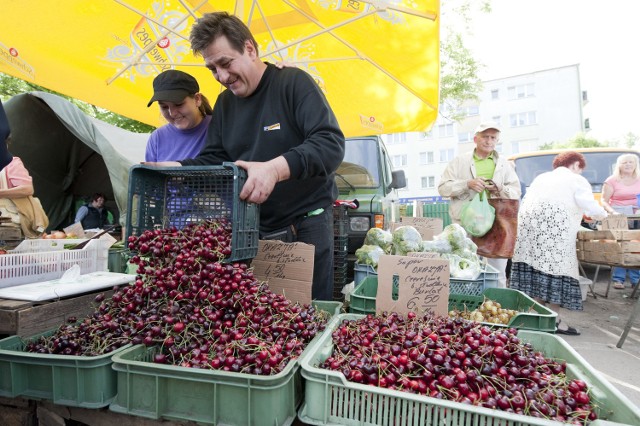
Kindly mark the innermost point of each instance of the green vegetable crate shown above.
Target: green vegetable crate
(157, 391)
(178, 196)
(363, 296)
(531, 315)
(332, 400)
(77, 381)
(488, 278)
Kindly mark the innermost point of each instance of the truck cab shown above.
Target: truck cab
(366, 175)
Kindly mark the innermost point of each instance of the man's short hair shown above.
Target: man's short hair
(213, 25)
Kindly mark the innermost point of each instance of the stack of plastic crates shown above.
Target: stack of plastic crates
(179, 196)
(340, 239)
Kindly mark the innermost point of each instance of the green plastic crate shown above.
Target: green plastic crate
(162, 197)
(363, 296)
(531, 316)
(157, 391)
(331, 399)
(77, 381)
(118, 259)
(360, 272)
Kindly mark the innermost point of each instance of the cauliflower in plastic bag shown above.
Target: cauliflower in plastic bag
(406, 239)
(455, 234)
(369, 255)
(460, 267)
(438, 246)
(379, 237)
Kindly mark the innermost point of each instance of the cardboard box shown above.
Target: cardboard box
(615, 247)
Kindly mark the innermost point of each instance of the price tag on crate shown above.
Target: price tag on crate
(615, 221)
(426, 226)
(287, 267)
(423, 284)
(434, 224)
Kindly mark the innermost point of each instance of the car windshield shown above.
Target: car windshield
(359, 168)
(599, 167)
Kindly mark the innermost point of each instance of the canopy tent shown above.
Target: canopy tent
(70, 155)
(377, 61)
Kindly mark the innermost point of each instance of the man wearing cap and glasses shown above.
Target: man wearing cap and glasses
(473, 172)
(188, 114)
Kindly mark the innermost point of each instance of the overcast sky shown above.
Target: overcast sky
(522, 36)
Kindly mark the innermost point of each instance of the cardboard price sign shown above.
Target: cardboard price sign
(287, 267)
(423, 284)
(426, 232)
(615, 221)
(432, 223)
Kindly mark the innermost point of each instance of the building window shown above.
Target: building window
(427, 182)
(523, 119)
(426, 158)
(399, 161)
(446, 155)
(515, 147)
(494, 94)
(496, 119)
(445, 130)
(520, 91)
(465, 137)
(396, 138)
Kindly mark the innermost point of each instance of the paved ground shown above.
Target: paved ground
(601, 324)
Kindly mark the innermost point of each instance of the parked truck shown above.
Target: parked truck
(367, 175)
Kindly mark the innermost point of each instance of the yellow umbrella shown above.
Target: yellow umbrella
(377, 61)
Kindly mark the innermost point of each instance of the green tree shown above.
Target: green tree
(579, 141)
(459, 70)
(11, 86)
(631, 139)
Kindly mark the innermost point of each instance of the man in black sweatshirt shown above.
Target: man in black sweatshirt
(278, 126)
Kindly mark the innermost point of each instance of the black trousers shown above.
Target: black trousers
(318, 231)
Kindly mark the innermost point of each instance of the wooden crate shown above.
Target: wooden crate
(10, 233)
(26, 318)
(619, 247)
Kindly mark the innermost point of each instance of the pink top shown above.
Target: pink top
(623, 195)
(17, 174)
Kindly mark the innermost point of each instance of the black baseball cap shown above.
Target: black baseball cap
(173, 86)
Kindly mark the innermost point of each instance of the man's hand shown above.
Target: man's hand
(480, 184)
(491, 186)
(262, 178)
(161, 164)
(476, 184)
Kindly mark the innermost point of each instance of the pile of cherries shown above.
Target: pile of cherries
(198, 311)
(458, 360)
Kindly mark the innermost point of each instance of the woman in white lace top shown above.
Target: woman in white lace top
(545, 265)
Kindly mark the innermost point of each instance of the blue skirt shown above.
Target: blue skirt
(559, 290)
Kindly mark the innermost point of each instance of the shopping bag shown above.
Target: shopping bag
(477, 216)
(500, 241)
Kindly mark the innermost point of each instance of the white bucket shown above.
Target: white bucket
(584, 286)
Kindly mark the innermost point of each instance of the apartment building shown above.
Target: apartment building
(532, 109)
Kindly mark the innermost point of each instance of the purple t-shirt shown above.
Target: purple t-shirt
(169, 143)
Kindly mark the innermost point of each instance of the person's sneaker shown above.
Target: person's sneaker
(618, 285)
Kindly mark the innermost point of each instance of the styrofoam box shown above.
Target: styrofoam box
(42, 263)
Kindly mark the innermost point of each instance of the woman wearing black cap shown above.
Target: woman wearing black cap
(188, 114)
(16, 188)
